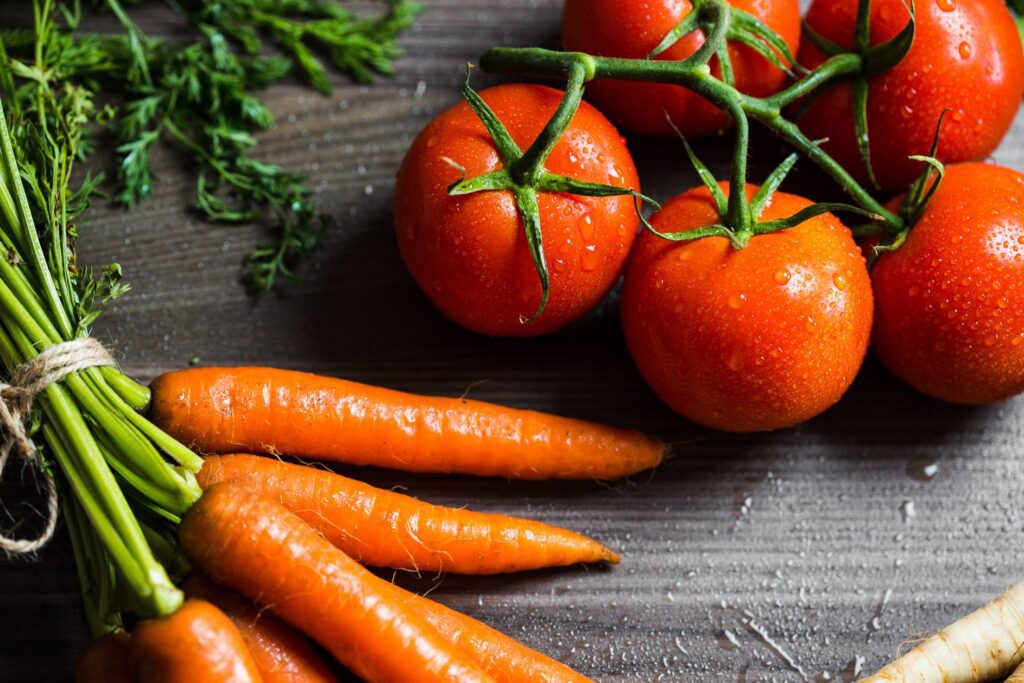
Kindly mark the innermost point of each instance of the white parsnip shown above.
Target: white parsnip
(983, 646)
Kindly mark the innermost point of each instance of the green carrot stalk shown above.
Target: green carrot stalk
(122, 474)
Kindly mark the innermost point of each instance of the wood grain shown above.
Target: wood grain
(823, 545)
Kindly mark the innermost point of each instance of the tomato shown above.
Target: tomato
(751, 340)
(633, 28)
(470, 255)
(966, 58)
(950, 315)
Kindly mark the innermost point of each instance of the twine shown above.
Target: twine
(28, 381)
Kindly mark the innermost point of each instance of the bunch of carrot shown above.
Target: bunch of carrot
(291, 540)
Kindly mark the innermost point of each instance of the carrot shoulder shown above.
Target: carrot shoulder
(259, 548)
(388, 529)
(225, 410)
(281, 653)
(196, 644)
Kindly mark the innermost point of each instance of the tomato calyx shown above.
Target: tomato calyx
(723, 24)
(875, 59)
(738, 218)
(914, 203)
(524, 175)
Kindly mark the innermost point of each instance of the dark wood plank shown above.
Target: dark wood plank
(741, 552)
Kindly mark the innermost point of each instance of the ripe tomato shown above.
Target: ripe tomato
(469, 254)
(950, 317)
(750, 340)
(966, 58)
(633, 28)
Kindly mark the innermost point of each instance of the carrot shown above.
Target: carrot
(388, 529)
(1017, 676)
(504, 658)
(983, 646)
(225, 410)
(282, 654)
(196, 644)
(105, 660)
(259, 548)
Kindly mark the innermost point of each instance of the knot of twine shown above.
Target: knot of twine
(16, 398)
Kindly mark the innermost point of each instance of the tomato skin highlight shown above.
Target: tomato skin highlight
(633, 28)
(751, 340)
(470, 255)
(966, 58)
(950, 315)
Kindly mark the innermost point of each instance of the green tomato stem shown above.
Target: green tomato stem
(541, 62)
(530, 166)
(739, 218)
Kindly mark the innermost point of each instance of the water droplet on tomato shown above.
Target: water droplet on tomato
(990, 340)
(958, 115)
(587, 228)
(783, 276)
(965, 50)
(431, 141)
(914, 291)
(809, 325)
(590, 258)
(736, 301)
(839, 280)
(947, 5)
(736, 361)
(1017, 341)
(684, 254)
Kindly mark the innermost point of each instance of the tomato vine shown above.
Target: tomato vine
(524, 175)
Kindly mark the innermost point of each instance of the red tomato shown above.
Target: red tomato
(950, 317)
(750, 340)
(469, 254)
(633, 28)
(966, 57)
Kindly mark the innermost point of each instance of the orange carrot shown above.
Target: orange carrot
(388, 529)
(504, 658)
(105, 660)
(281, 653)
(259, 548)
(196, 644)
(225, 410)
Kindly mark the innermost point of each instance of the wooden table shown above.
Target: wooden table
(813, 552)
